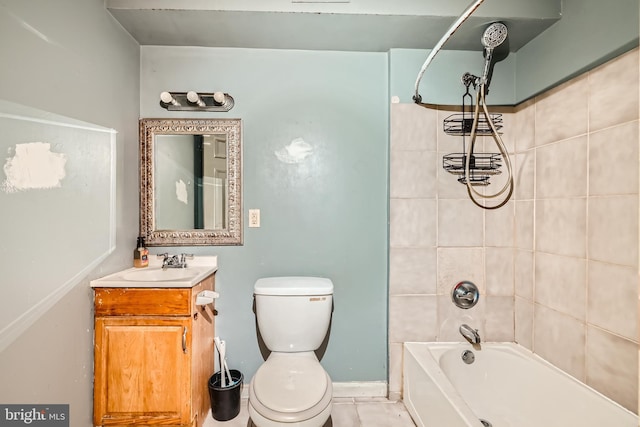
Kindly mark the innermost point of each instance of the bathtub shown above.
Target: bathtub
(506, 386)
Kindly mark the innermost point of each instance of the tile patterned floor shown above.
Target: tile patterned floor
(347, 412)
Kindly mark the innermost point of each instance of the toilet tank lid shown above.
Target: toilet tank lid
(293, 285)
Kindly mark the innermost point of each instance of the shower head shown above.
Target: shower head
(494, 35)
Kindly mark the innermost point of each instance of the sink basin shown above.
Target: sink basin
(160, 275)
(155, 277)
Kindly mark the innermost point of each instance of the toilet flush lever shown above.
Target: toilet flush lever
(206, 297)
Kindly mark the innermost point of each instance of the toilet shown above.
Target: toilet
(291, 388)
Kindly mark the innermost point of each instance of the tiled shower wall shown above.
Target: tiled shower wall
(558, 265)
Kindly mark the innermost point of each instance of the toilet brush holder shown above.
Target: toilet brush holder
(225, 401)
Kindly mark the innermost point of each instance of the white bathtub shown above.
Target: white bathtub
(506, 385)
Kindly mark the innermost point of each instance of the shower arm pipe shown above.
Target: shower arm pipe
(480, 100)
(454, 27)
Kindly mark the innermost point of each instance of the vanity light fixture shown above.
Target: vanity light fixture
(194, 101)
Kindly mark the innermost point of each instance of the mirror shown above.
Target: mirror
(191, 182)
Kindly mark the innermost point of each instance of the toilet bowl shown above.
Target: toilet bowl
(291, 388)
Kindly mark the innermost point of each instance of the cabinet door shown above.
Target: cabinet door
(142, 371)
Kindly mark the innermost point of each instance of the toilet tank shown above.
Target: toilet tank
(293, 313)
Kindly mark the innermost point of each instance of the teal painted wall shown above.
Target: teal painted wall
(590, 33)
(326, 216)
(441, 82)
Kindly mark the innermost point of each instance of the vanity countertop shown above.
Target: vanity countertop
(154, 276)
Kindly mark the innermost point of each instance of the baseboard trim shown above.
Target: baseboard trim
(348, 389)
(360, 389)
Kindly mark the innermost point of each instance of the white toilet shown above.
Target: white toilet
(291, 388)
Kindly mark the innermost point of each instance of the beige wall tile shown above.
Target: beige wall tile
(524, 322)
(499, 225)
(613, 160)
(499, 319)
(560, 339)
(613, 229)
(413, 127)
(458, 264)
(524, 175)
(412, 318)
(613, 294)
(499, 271)
(561, 284)
(613, 92)
(395, 367)
(460, 223)
(523, 274)
(412, 223)
(612, 367)
(412, 271)
(524, 226)
(561, 226)
(562, 112)
(413, 174)
(450, 318)
(524, 121)
(561, 169)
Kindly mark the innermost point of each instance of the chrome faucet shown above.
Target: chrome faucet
(470, 334)
(173, 261)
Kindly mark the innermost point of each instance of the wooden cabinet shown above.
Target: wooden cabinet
(153, 356)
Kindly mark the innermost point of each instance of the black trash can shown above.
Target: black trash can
(225, 401)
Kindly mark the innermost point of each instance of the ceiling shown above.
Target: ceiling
(336, 26)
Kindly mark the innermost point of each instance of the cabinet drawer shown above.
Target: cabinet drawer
(142, 302)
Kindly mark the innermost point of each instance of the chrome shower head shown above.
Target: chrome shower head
(494, 35)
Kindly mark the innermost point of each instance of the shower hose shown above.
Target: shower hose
(475, 195)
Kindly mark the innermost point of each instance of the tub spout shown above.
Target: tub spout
(470, 334)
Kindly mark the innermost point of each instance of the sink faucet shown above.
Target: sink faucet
(173, 261)
(470, 334)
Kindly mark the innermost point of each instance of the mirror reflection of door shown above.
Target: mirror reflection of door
(214, 181)
(190, 182)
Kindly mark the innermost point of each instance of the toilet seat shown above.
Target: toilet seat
(290, 388)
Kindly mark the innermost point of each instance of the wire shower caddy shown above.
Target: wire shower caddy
(481, 165)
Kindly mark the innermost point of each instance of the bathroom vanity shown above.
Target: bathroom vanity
(153, 347)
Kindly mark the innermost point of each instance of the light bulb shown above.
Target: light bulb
(167, 98)
(194, 98)
(219, 97)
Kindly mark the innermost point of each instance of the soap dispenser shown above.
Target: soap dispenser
(140, 254)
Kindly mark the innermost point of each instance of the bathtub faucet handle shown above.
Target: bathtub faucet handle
(467, 296)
